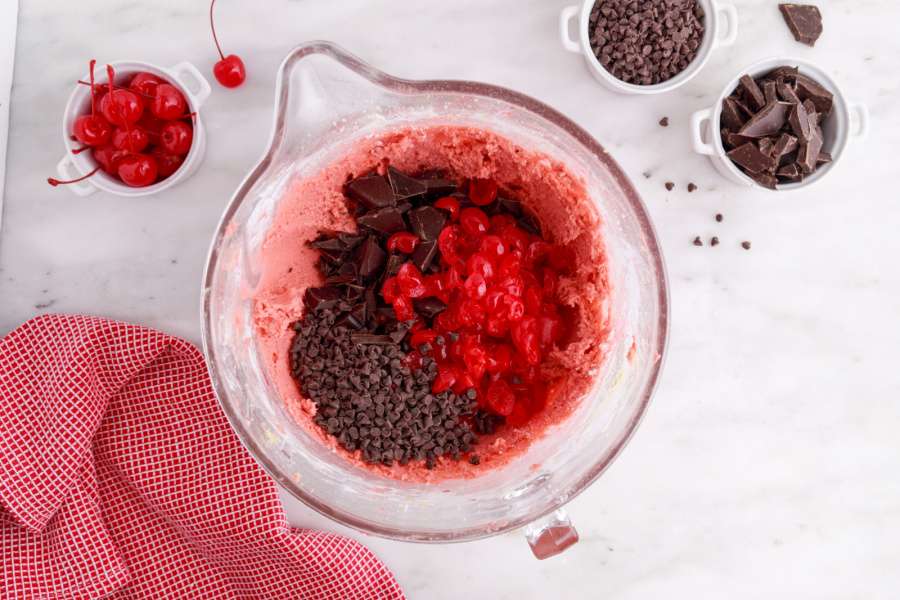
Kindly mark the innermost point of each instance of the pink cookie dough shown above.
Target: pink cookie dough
(545, 185)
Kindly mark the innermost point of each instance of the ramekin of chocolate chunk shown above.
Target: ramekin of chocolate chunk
(781, 124)
(647, 46)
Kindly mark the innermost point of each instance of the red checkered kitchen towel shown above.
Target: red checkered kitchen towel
(120, 477)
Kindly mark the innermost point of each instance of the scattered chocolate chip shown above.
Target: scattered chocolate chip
(664, 122)
(372, 191)
(714, 241)
(475, 460)
(719, 218)
(648, 42)
(670, 186)
(698, 241)
(804, 21)
(691, 187)
(385, 221)
(427, 222)
(745, 245)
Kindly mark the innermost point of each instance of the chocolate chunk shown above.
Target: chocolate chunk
(394, 262)
(350, 240)
(369, 258)
(513, 207)
(769, 91)
(799, 121)
(765, 146)
(405, 186)
(786, 73)
(372, 191)
(424, 254)
(804, 21)
(321, 298)
(427, 222)
(751, 92)
(385, 221)
(733, 140)
(789, 172)
(429, 307)
(766, 122)
(808, 89)
(786, 92)
(371, 338)
(751, 159)
(529, 222)
(732, 116)
(332, 244)
(824, 157)
(765, 179)
(808, 156)
(439, 187)
(785, 144)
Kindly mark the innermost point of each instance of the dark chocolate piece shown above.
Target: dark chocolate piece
(372, 191)
(751, 159)
(824, 158)
(765, 179)
(321, 298)
(394, 262)
(804, 21)
(790, 172)
(786, 73)
(513, 207)
(766, 146)
(769, 91)
(332, 244)
(766, 122)
(429, 307)
(752, 93)
(424, 254)
(732, 117)
(786, 92)
(405, 186)
(427, 222)
(733, 140)
(385, 221)
(808, 89)
(439, 187)
(808, 156)
(369, 258)
(799, 121)
(371, 338)
(785, 144)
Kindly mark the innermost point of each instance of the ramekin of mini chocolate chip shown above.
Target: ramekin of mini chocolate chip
(780, 125)
(647, 46)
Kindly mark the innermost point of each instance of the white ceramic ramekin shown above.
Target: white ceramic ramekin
(847, 120)
(720, 29)
(185, 76)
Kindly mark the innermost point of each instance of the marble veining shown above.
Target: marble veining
(766, 466)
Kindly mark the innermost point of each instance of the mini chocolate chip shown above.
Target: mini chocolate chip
(670, 186)
(664, 122)
(698, 241)
(719, 217)
(745, 245)
(714, 241)
(691, 187)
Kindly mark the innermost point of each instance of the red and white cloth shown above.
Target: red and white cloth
(120, 477)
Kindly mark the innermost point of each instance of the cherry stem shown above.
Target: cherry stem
(55, 182)
(93, 100)
(110, 76)
(212, 26)
(118, 87)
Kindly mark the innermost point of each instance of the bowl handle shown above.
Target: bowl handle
(551, 535)
(66, 170)
(728, 14)
(193, 82)
(697, 120)
(565, 20)
(859, 114)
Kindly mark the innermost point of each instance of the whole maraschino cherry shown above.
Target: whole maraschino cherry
(229, 70)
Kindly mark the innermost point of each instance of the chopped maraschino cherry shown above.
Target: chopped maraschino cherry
(92, 129)
(229, 70)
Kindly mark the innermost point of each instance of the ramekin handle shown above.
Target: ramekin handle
(859, 114)
(729, 16)
(66, 170)
(552, 535)
(697, 120)
(193, 81)
(565, 29)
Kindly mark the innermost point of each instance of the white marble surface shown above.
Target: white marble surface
(768, 464)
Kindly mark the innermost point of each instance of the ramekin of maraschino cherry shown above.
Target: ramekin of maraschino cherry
(135, 131)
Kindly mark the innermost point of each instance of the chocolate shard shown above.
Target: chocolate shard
(765, 179)
(370, 300)
(786, 92)
(785, 144)
(405, 186)
(369, 257)
(787, 73)
(804, 21)
(321, 298)
(808, 89)
(372, 191)
(732, 117)
(766, 145)
(429, 307)
(513, 207)
(751, 159)
(394, 262)
(385, 221)
(769, 91)
(733, 140)
(427, 222)
(790, 173)
(424, 254)
(799, 121)
(766, 122)
(371, 338)
(808, 156)
(824, 158)
(529, 222)
(439, 187)
(752, 93)
(333, 244)
(353, 292)
(350, 240)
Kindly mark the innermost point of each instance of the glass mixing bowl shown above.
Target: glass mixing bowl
(325, 99)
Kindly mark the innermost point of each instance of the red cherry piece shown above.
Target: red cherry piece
(145, 84)
(500, 397)
(482, 191)
(475, 286)
(175, 137)
(445, 378)
(138, 170)
(402, 241)
(473, 221)
(166, 164)
(92, 130)
(449, 242)
(492, 245)
(411, 281)
(498, 360)
(449, 204)
(481, 265)
(169, 103)
(229, 70)
(132, 139)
